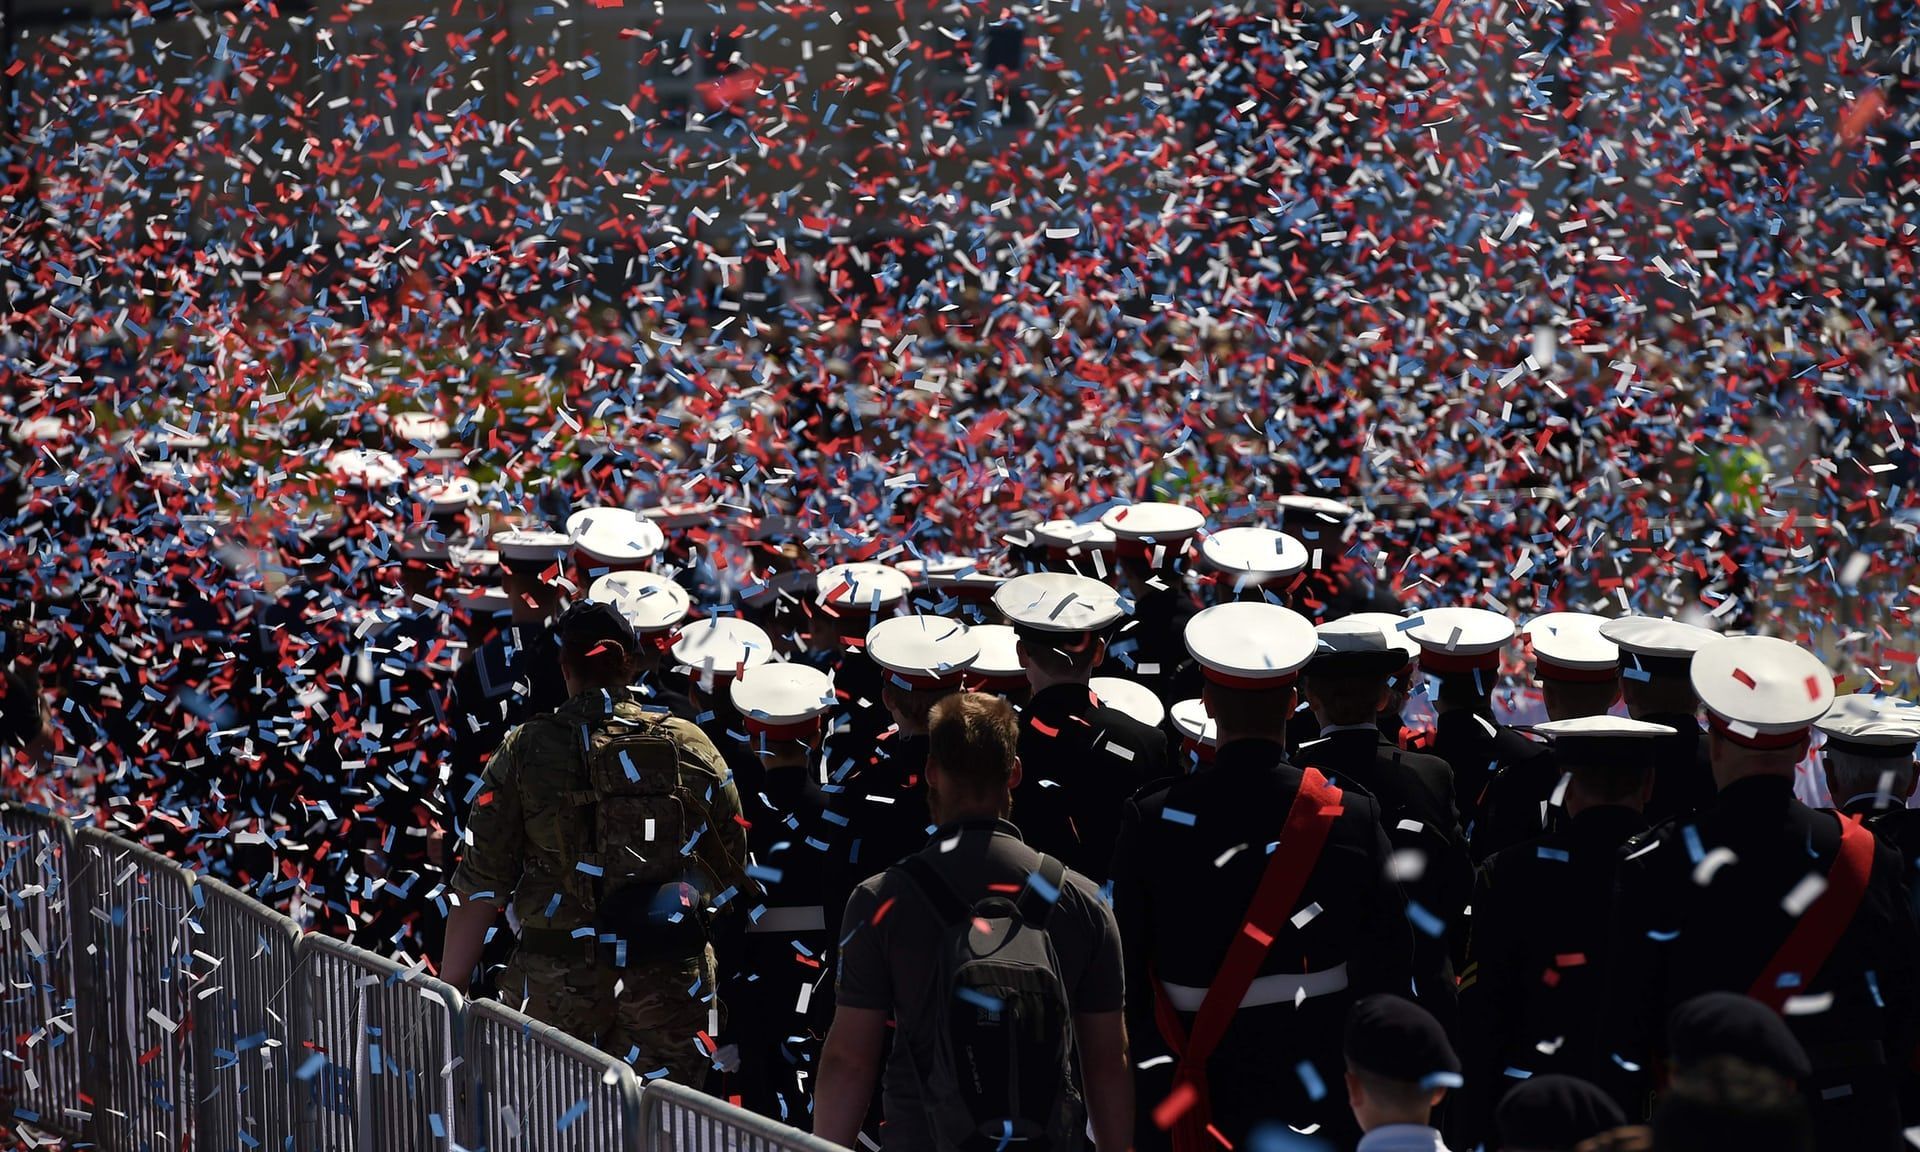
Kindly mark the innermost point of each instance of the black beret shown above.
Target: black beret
(1729, 1024)
(1396, 1039)
(1554, 1114)
(590, 623)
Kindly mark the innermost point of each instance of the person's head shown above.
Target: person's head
(912, 708)
(973, 761)
(1249, 713)
(596, 648)
(1553, 1114)
(1399, 1062)
(531, 587)
(1850, 775)
(1734, 759)
(1569, 699)
(1661, 693)
(1463, 691)
(1717, 1024)
(1724, 1102)
(1050, 658)
(1346, 698)
(1869, 750)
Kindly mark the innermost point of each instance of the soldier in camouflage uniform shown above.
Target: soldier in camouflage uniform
(616, 833)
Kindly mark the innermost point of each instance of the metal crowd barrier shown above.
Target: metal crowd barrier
(139, 967)
(676, 1118)
(40, 1063)
(244, 1021)
(149, 1008)
(535, 1087)
(378, 1049)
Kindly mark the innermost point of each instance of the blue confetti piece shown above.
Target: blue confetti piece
(578, 1109)
(1176, 816)
(979, 999)
(1310, 1080)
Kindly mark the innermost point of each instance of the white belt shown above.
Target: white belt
(799, 918)
(1284, 988)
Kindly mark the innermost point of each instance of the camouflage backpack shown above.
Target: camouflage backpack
(628, 836)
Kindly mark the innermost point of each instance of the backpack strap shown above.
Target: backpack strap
(1042, 892)
(947, 903)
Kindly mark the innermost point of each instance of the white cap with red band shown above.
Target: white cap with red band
(1251, 645)
(721, 646)
(923, 651)
(537, 544)
(782, 701)
(1878, 725)
(1058, 602)
(1131, 698)
(615, 535)
(1657, 637)
(1256, 554)
(1197, 729)
(443, 493)
(649, 601)
(1761, 692)
(1569, 646)
(997, 668)
(874, 587)
(1317, 506)
(1067, 535)
(1395, 629)
(1460, 639)
(1156, 529)
(366, 467)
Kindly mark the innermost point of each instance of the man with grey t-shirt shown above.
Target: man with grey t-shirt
(891, 937)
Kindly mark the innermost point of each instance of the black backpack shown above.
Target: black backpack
(1003, 1063)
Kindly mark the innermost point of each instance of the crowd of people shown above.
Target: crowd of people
(1266, 414)
(1137, 825)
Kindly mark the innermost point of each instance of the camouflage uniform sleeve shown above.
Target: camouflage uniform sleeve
(723, 847)
(490, 868)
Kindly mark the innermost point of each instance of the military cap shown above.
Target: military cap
(1199, 734)
(1761, 692)
(1126, 696)
(589, 624)
(782, 701)
(1568, 646)
(1354, 647)
(923, 651)
(1878, 726)
(1249, 645)
(874, 587)
(649, 601)
(997, 668)
(1255, 555)
(1460, 640)
(1554, 1114)
(1396, 1039)
(1729, 1024)
(1157, 530)
(721, 646)
(614, 537)
(1656, 646)
(1058, 602)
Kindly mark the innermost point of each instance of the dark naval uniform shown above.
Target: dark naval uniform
(1682, 774)
(883, 793)
(1705, 905)
(1478, 749)
(1415, 795)
(777, 960)
(1081, 761)
(1190, 854)
(1522, 802)
(1534, 984)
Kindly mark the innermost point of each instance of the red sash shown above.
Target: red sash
(1305, 834)
(1812, 940)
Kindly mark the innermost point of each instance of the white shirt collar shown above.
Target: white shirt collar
(1402, 1138)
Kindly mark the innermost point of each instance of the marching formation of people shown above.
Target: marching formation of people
(1139, 831)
